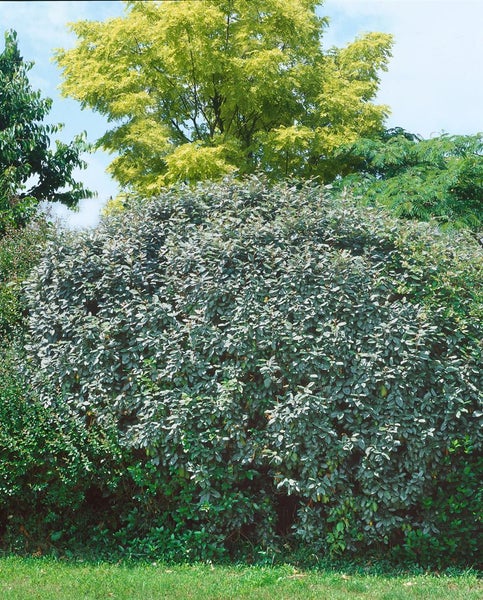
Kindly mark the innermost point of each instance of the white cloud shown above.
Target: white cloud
(87, 215)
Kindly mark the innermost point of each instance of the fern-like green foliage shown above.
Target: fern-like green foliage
(439, 178)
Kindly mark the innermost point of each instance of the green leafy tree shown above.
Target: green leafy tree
(439, 178)
(31, 170)
(196, 90)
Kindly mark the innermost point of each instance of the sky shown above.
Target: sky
(434, 84)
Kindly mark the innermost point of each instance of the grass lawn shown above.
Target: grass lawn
(41, 578)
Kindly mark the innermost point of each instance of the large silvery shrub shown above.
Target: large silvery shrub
(282, 363)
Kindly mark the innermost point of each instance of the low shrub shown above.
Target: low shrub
(282, 365)
(50, 470)
(455, 507)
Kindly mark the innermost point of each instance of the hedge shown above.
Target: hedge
(281, 365)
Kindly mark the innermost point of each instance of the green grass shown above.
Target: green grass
(31, 578)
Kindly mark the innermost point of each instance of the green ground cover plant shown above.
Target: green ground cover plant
(51, 580)
(278, 368)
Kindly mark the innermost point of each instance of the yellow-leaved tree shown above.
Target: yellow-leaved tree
(202, 88)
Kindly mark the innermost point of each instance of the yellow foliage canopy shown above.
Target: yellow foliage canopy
(199, 89)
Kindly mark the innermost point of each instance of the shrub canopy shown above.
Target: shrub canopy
(284, 362)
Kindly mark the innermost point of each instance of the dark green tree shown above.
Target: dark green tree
(439, 178)
(31, 170)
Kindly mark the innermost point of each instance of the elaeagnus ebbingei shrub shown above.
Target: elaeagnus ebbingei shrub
(280, 363)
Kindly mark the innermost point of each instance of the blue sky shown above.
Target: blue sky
(434, 83)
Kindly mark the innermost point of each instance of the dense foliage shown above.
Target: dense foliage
(57, 481)
(196, 90)
(30, 170)
(439, 178)
(20, 249)
(275, 364)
